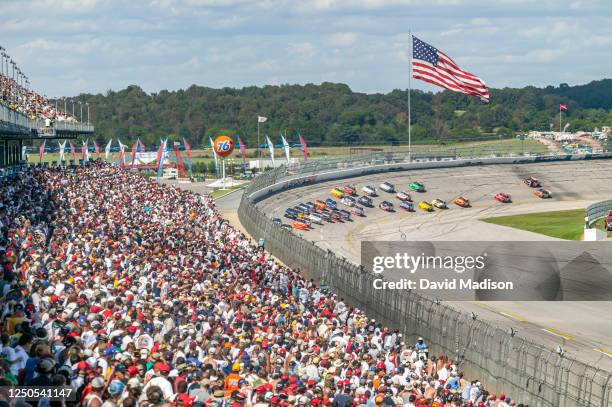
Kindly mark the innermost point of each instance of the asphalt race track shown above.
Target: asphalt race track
(584, 329)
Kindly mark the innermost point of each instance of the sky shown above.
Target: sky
(67, 47)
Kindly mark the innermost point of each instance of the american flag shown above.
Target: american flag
(431, 65)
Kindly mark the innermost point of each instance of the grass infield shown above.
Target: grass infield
(568, 225)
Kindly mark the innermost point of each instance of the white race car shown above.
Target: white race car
(348, 200)
(387, 187)
(369, 190)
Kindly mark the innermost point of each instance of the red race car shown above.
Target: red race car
(386, 206)
(502, 197)
(349, 190)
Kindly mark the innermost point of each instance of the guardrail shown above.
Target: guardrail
(597, 211)
(531, 373)
(12, 120)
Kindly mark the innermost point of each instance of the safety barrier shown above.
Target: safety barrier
(597, 211)
(503, 362)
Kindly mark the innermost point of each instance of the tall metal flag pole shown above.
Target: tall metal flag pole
(560, 118)
(409, 110)
(258, 148)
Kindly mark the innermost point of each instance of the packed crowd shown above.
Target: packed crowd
(138, 294)
(29, 102)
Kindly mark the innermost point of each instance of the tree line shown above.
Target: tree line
(333, 114)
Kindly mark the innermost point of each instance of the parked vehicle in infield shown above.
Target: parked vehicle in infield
(286, 227)
(319, 205)
(369, 190)
(407, 206)
(365, 201)
(349, 190)
(301, 225)
(336, 193)
(348, 200)
(542, 193)
(357, 210)
(417, 186)
(439, 203)
(386, 206)
(532, 182)
(291, 213)
(503, 197)
(315, 218)
(461, 201)
(330, 204)
(403, 196)
(426, 206)
(344, 214)
(387, 187)
(277, 221)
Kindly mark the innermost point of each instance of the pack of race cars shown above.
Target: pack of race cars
(319, 212)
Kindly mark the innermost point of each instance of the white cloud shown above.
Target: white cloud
(344, 39)
(306, 50)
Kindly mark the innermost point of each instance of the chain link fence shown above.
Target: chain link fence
(597, 211)
(503, 362)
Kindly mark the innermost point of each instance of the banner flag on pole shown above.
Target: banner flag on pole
(212, 147)
(304, 147)
(121, 153)
(41, 150)
(161, 159)
(84, 151)
(242, 151)
(73, 153)
(188, 150)
(62, 149)
(261, 119)
(287, 150)
(431, 65)
(271, 148)
(97, 149)
(107, 149)
(141, 146)
(134, 148)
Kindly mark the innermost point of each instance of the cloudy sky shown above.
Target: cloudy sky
(71, 46)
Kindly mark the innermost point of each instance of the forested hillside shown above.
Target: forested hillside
(331, 113)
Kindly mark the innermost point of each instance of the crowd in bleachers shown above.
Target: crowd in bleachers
(30, 103)
(139, 294)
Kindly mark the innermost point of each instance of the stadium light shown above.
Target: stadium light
(81, 107)
(87, 103)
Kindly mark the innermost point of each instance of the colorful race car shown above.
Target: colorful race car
(344, 214)
(440, 204)
(407, 206)
(417, 186)
(461, 201)
(335, 192)
(330, 204)
(387, 187)
(426, 206)
(286, 227)
(298, 224)
(369, 190)
(302, 208)
(532, 182)
(315, 218)
(291, 213)
(365, 201)
(319, 205)
(542, 193)
(357, 210)
(335, 215)
(502, 197)
(277, 221)
(403, 196)
(325, 215)
(386, 206)
(348, 200)
(349, 190)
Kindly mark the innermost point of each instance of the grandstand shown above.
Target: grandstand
(26, 115)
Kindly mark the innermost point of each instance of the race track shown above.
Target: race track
(584, 329)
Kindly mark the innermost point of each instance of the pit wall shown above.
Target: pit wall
(504, 363)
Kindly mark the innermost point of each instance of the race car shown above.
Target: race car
(348, 200)
(365, 201)
(357, 210)
(407, 206)
(369, 190)
(337, 193)
(344, 214)
(291, 213)
(609, 222)
(277, 221)
(502, 197)
(302, 208)
(349, 190)
(335, 215)
(403, 196)
(426, 206)
(315, 218)
(542, 193)
(461, 201)
(286, 227)
(440, 204)
(301, 225)
(310, 206)
(319, 205)
(386, 206)
(330, 203)
(387, 187)
(532, 182)
(303, 216)
(417, 186)
(325, 215)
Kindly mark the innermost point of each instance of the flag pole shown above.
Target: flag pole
(559, 118)
(409, 110)
(258, 148)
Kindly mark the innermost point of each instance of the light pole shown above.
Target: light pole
(87, 103)
(81, 107)
(72, 100)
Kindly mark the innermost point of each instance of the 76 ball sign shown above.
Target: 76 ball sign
(224, 146)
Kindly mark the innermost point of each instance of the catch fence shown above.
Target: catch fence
(597, 211)
(502, 361)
